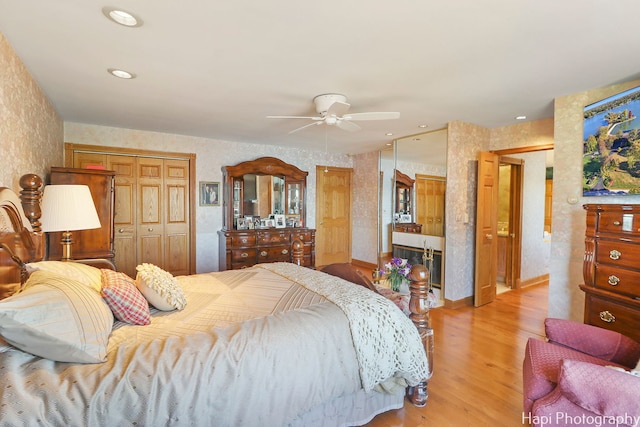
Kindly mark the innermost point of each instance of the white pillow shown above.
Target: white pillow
(160, 288)
(86, 274)
(57, 318)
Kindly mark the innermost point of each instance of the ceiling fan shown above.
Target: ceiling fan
(332, 108)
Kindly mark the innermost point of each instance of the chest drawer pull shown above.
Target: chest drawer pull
(264, 253)
(284, 252)
(607, 317)
(614, 254)
(614, 280)
(244, 255)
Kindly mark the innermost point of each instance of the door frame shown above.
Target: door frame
(517, 246)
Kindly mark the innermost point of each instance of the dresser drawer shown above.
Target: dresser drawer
(243, 240)
(273, 238)
(619, 254)
(304, 237)
(274, 253)
(243, 255)
(615, 317)
(617, 280)
(619, 223)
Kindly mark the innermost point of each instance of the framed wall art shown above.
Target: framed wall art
(209, 193)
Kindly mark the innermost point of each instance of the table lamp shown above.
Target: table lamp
(68, 208)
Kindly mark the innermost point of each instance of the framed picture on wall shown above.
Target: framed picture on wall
(209, 193)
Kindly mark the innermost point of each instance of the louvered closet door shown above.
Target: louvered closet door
(124, 241)
(176, 226)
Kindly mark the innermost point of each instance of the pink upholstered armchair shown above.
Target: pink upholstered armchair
(567, 376)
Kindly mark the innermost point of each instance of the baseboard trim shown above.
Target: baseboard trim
(454, 305)
(540, 280)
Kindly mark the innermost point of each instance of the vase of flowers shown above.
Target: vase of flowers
(397, 272)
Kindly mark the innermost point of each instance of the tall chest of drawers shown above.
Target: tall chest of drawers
(244, 248)
(611, 268)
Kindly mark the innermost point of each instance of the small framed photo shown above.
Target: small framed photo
(249, 221)
(209, 193)
(241, 224)
(280, 221)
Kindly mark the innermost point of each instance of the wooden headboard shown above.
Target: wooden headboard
(21, 239)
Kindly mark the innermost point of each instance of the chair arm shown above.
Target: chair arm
(599, 389)
(592, 340)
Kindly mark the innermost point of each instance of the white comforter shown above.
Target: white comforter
(276, 351)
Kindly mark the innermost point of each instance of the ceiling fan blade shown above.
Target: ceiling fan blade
(348, 126)
(338, 108)
(305, 126)
(294, 117)
(372, 116)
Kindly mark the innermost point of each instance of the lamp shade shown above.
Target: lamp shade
(68, 208)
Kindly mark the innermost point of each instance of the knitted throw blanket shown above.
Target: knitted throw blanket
(386, 342)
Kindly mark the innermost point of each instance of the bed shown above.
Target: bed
(272, 345)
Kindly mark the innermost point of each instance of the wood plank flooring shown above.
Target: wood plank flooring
(477, 379)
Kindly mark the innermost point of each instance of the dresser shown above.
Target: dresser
(611, 268)
(244, 248)
(96, 243)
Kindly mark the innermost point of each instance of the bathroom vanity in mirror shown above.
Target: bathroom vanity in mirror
(264, 212)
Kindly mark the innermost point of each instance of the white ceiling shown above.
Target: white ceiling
(215, 69)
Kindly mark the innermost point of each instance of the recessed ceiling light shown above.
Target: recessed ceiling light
(389, 134)
(423, 126)
(122, 17)
(121, 73)
(521, 117)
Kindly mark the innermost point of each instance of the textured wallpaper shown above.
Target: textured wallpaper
(566, 300)
(211, 155)
(31, 133)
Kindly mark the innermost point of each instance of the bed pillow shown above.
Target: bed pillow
(124, 299)
(86, 274)
(57, 318)
(160, 288)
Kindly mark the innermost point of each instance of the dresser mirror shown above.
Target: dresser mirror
(404, 196)
(261, 190)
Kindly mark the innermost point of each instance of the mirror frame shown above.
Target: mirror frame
(262, 166)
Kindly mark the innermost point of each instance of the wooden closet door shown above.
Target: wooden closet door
(150, 226)
(176, 225)
(125, 223)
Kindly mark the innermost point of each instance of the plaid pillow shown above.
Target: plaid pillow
(124, 299)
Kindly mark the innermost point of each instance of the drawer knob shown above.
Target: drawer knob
(614, 254)
(244, 255)
(284, 252)
(264, 253)
(616, 222)
(614, 280)
(605, 316)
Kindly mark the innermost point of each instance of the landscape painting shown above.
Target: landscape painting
(611, 150)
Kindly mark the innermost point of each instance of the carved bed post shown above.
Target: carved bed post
(419, 308)
(30, 197)
(297, 252)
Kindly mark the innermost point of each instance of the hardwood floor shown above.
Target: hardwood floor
(477, 379)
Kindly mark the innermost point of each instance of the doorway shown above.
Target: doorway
(514, 236)
(333, 215)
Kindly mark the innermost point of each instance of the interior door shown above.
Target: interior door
(486, 267)
(124, 241)
(333, 215)
(176, 226)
